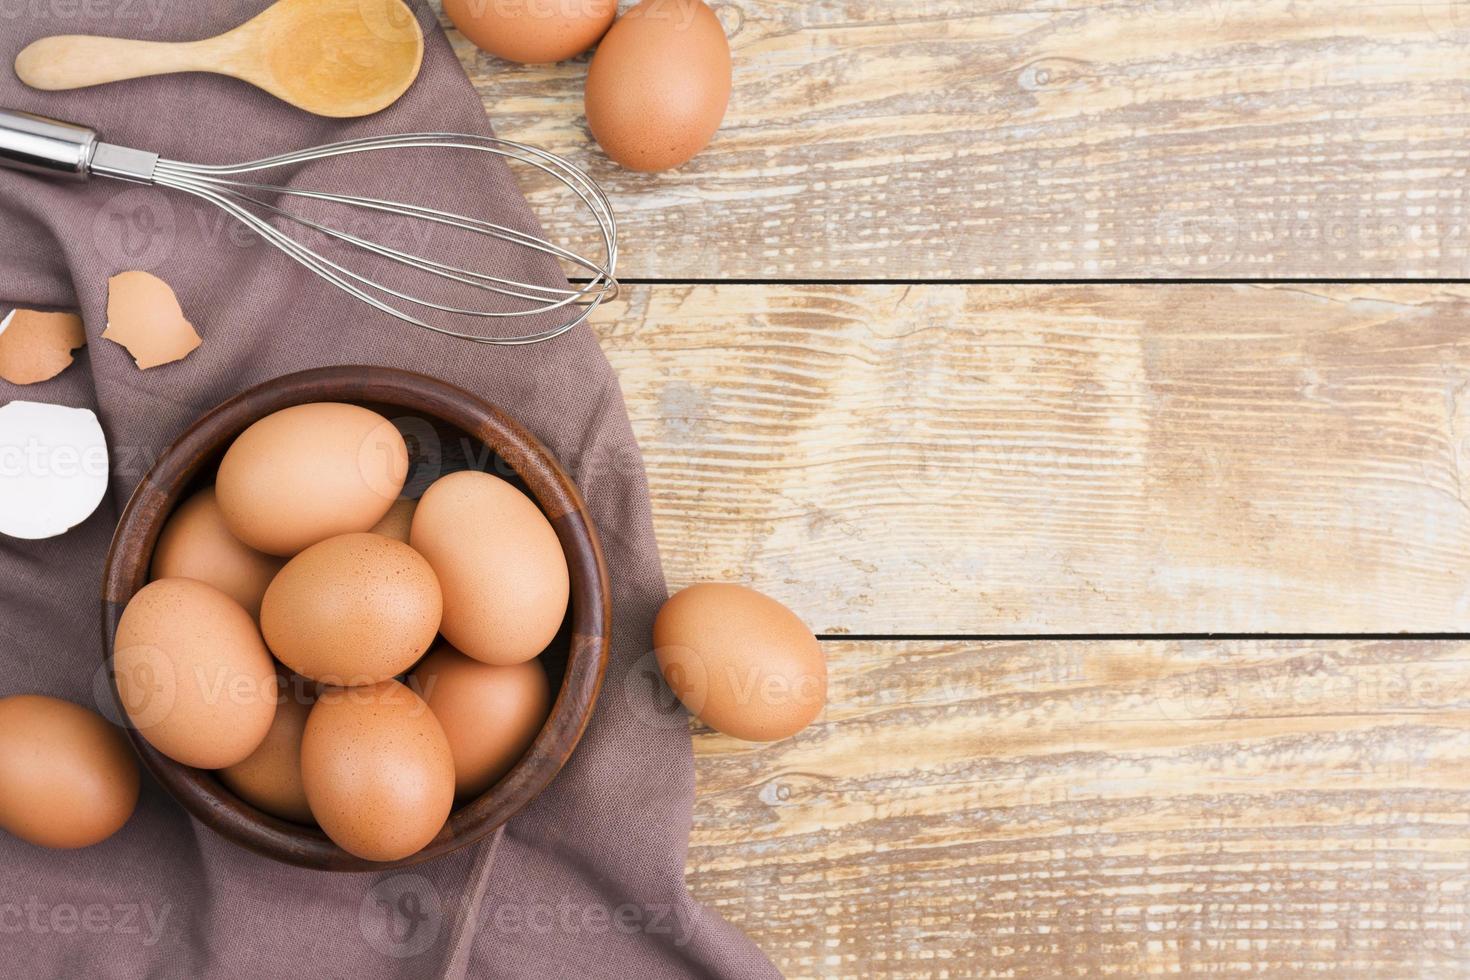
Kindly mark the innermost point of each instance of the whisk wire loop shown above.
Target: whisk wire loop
(214, 183)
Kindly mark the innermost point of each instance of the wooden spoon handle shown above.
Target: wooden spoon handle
(76, 61)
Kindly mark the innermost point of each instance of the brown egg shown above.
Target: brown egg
(397, 521)
(308, 473)
(67, 777)
(194, 675)
(490, 714)
(740, 661)
(532, 32)
(197, 544)
(378, 770)
(270, 777)
(499, 563)
(354, 609)
(659, 84)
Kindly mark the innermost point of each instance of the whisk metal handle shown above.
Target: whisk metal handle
(38, 145)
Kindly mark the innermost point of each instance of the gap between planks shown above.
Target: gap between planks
(1110, 637)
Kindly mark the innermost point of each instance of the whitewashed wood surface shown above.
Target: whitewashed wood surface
(1061, 459)
(921, 453)
(1044, 810)
(941, 139)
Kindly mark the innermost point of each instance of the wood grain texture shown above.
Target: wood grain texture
(1046, 139)
(1047, 810)
(1055, 460)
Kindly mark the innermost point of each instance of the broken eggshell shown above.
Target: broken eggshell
(36, 346)
(53, 468)
(144, 316)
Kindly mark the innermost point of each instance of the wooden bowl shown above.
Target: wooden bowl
(575, 662)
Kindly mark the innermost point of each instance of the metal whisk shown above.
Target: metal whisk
(46, 146)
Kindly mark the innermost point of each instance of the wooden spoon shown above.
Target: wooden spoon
(330, 57)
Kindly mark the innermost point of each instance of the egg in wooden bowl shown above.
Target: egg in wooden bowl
(305, 795)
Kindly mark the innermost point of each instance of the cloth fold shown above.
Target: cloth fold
(587, 882)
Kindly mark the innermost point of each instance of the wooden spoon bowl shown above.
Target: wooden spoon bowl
(330, 57)
(458, 426)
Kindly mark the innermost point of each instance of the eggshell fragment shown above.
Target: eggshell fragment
(270, 777)
(193, 674)
(308, 473)
(53, 468)
(67, 778)
(196, 543)
(352, 610)
(499, 563)
(491, 714)
(532, 31)
(144, 316)
(378, 771)
(396, 523)
(659, 84)
(37, 346)
(740, 661)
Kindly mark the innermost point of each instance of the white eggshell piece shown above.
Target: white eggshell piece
(53, 468)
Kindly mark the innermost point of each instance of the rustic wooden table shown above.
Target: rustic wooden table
(1113, 572)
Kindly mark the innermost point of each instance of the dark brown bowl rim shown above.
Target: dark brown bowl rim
(126, 571)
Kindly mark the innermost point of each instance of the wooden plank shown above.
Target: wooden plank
(1038, 139)
(1077, 459)
(1049, 809)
